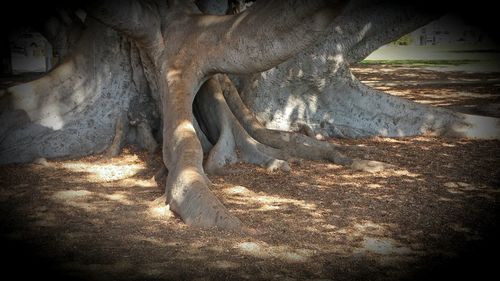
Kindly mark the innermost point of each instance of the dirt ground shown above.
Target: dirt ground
(434, 216)
(467, 92)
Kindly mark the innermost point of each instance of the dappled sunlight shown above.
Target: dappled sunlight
(160, 211)
(472, 190)
(107, 171)
(472, 93)
(91, 201)
(265, 251)
(242, 195)
(26, 98)
(369, 238)
(405, 173)
(443, 98)
(119, 197)
(100, 215)
(393, 140)
(71, 194)
(137, 182)
(77, 199)
(319, 214)
(183, 131)
(387, 173)
(57, 99)
(388, 251)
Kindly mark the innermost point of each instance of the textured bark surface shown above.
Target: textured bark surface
(71, 111)
(148, 73)
(317, 88)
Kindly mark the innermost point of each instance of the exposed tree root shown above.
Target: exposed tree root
(121, 129)
(146, 138)
(187, 187)
(306, 130)
(294, 144)
(233, 142)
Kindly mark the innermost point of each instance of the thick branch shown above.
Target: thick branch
(139, 20)
(266, 34)
(363, 28)
(63, 31)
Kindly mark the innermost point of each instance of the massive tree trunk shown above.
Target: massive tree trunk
(155, 72)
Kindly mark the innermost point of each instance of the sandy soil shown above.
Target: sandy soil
(435, 215)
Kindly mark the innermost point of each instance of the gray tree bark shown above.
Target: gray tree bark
(73, 110)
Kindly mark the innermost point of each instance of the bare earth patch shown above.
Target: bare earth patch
(94, 218)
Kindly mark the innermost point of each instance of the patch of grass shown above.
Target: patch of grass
(418, 63)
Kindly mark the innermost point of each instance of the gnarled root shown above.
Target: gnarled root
(233, 142)
(293, 144)
(121, 129)
(146, 138)
(234, 135)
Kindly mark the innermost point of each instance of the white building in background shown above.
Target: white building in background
(30, 52)
(448, 38)
(448, 30)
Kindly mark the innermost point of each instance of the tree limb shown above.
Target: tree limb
(262, 36)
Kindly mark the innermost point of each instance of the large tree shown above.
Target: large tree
(212, 83)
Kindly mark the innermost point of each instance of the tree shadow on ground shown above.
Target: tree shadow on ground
(93, 218)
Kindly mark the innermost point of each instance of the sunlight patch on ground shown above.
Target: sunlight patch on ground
(75, 198)
(371, 228)
(160, 211)
(223, 264)
(373, 186)
(139, 182)
(484, 191)
(376, 240)
(71, 194)
(90, 201)
(118, 197)
(382, 246)
(392, 140)
(267, 202)
(105, 172)
(351, 179)
(405, 173)
(448, 144)
(265, 251)
(461, 185)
